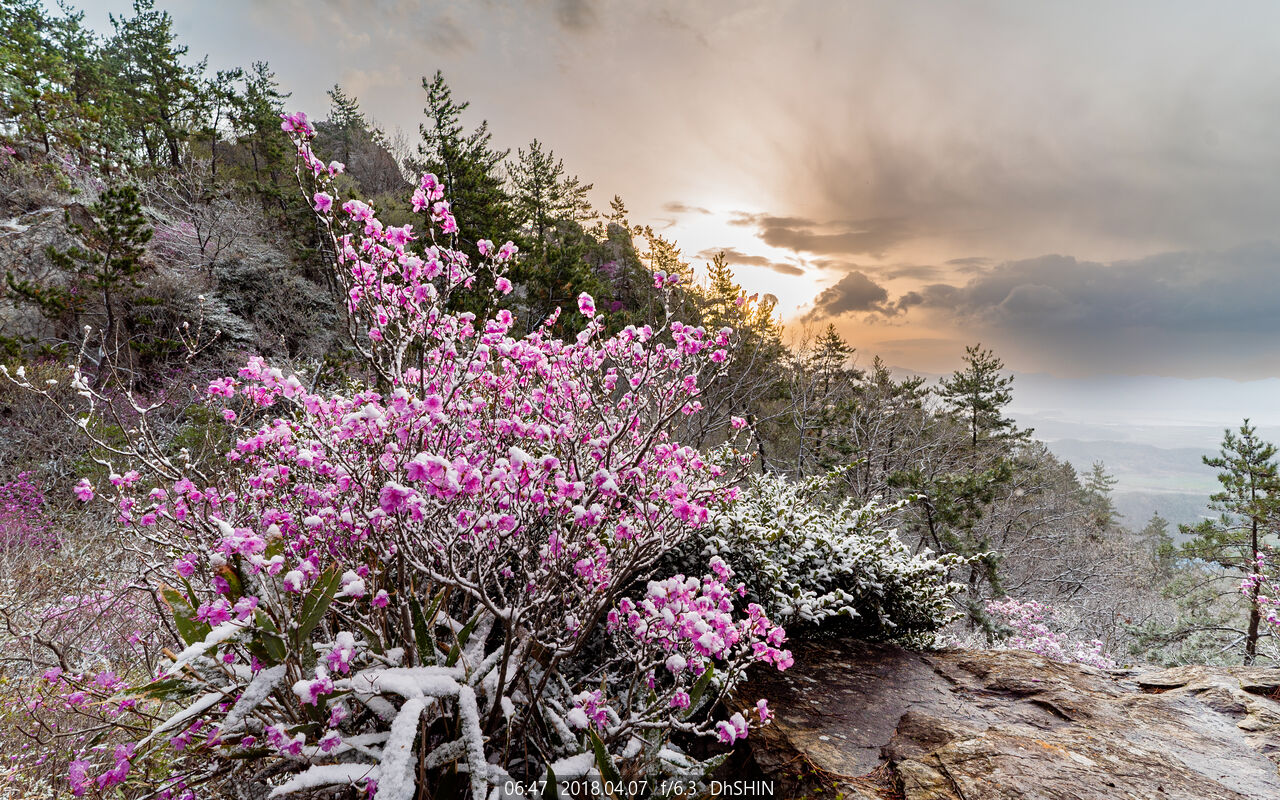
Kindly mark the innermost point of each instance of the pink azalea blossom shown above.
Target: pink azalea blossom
(83, 490)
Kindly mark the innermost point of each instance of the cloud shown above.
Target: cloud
(1231, 290)
(918, 272)
(576, 15)
(448, 36)
(970, 264)
(853, 292)
(676, 207)
(734, 256)
(871, 236)
(1192, 312)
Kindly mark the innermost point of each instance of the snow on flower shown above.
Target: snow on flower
(83, 490)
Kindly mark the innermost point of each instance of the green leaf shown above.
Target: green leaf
(232, 577)
(267, 643)
(184, 619)
(422, 628)
(316, 603)
(608, 771)
(375, 643)
(552, 791)
(463, 636)
(695, 695)
(164, 689)
(713, 763)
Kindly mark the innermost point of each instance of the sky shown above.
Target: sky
(1088, 188)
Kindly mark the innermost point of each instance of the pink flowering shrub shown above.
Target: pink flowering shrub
(1030, 626)
(435, 575)
(1263, 588)
(24, 520)
(55, 726)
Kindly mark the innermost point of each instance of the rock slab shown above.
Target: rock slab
(863, 720)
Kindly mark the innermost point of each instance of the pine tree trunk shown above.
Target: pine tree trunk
(1251, 638)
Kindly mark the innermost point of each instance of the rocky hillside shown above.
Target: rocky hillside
(877, 721)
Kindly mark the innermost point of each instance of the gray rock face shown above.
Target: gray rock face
(876, 721)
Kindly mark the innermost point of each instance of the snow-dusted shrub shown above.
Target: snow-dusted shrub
(817, 562)
(1033, 626)
(396, 584)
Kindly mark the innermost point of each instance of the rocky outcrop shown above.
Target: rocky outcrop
(876, 721)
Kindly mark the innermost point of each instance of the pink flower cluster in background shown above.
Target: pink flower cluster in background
(1032, 630)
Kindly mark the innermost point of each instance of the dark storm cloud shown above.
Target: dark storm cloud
(1224, 291)
(853, 292)
(734, 256)
(1115, 128)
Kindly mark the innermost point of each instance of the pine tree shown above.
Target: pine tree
(1098, 485)
(551, 208)
(467, 163)
(222, 100)
(161, 96)
(92, 86)
(35, 79)
(834, 379)
(543, 193)
(110, 259)
(257, 126)
(346, 128)
(977, 394)
(878, 424)
(1250, 508)
(1159, 544)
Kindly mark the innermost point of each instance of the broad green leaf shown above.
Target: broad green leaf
(422, 628)
(552, 791)
(267, 643)
(695, 695)
(164, 689)
(608, 771)
(232, 577)
(463, 636)
(184, 619)
(316, 603)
